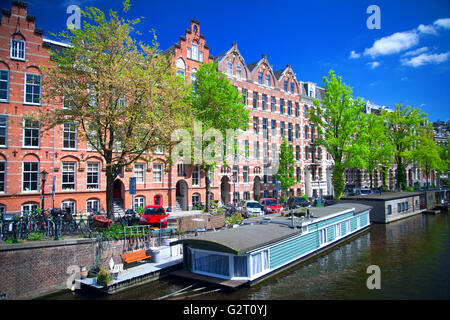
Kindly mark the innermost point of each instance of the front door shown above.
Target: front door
(117, 189)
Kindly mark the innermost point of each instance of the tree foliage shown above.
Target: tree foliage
(123, 95)
(338, 121)
(286, 163)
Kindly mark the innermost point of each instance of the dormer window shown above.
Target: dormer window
(285, 85)
(267, 79)
(17, 49)
(239, 71)
(230, 68)
(260, 78)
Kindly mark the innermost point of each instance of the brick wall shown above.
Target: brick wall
(30, 270)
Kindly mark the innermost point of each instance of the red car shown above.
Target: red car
(155, 216)
(271, 205)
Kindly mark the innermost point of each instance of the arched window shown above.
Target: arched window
(93, 205)
(28, 208)
(71, 204)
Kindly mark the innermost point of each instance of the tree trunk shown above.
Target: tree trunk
(109, 193)
(371, 179)
(338, 180)
(208, 188)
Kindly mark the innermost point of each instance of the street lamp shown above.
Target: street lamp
(43, 179)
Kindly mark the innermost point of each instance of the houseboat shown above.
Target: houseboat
(267, 245)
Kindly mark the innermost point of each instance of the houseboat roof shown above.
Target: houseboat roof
(385, 196)
(259, 232)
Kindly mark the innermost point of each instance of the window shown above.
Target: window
(29, 208)
(93, 175)
(159, 150)
(256, 145)
(210, 263)
(282, 128)
(139, 172)
(157, 172)
(265, 150)
(306, 132)
(194, 51)
(246, 149)
(4, 85)
(72, 205)
(139, 202)
(290, 132)
(230, 68)
(32, 88)
(292, 87)
(274, 127)
(274, 150)
(323, 236)
(201, 56)
(246, 195)
(2, 176)
(289, 108)
(285, 85)
(255, 125)
(272, 104)
(297, 131)
(195, 199)
(306, 153)
(297, 153)
(245, 174)
(18, 49)
(69, 136)
(236, 174)
(31, 133)
(264, 101)
(255, 100)
(239, 71)
(30, 176)
(3, 130)
(189, 52)
(92, 206)
(297, 109)
(181, 172)
(281, 106)
(68, 175)
(260, 78)
(265, 128)
(244, 94)
(347, 226)
(196, 176)
(267, 79)
(259, 262)
(337, 230)
(299, 176)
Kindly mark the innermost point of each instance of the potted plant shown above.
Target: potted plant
(104, 278)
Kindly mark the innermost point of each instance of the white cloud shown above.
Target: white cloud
(394, 43)
(443, 23)
(416, 52)
(404, 78)
(373, 64)
(354, 55)
(425, 58)
(429, 29)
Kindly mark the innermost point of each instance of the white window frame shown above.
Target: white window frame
(90, 172)
(200, 56)
(7, 84)
(139, 202)
(323, 239)
(195, 52)
(4, 126)
(72, 204)
(158, 167)
(70, 131)
(3, 176)
(91, 203)
(189, 52)
(238, 71)
(15, 47)
(139, 172)
(30, 181)
(28, 125)
(230, 68)
(33, 85)
(196, 179)
(64, 172)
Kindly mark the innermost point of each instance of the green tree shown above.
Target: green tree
(219, 107)
(124, 97)
(427, 153)
(286, 163)
(403, 125)
(375, 148)
(337, 119)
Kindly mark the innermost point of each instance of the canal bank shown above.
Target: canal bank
(412, 254)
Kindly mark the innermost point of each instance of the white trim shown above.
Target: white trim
(7, 86)
(25, 90)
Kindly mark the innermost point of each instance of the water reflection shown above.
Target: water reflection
(413, 255)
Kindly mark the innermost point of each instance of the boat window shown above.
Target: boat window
(240, 266)
(260, 261)
(210, 263)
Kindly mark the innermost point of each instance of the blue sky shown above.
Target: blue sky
(406, 61)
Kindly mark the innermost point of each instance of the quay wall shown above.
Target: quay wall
(33, 269)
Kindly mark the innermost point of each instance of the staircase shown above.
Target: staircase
(178, 206)
(118, 208)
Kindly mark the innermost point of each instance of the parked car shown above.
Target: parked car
(271, 205)
(329, 201)
(365, 191)
(297, 202)
(252, 208)
(155, 216)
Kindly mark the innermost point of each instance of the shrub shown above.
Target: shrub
(34, 236)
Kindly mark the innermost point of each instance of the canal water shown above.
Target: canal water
(413, 255)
